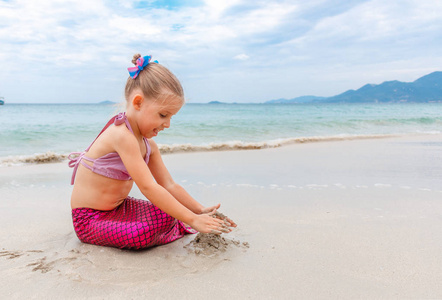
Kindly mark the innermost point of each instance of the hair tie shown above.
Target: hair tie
(142, 62)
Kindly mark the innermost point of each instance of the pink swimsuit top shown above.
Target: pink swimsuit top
(109, 165)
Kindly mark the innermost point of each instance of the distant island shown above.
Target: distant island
(107, 102)
(426, 89)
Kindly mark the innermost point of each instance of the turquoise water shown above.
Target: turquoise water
(28, 129)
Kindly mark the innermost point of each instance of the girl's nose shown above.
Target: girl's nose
(166, 124)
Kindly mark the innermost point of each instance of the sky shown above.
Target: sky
(78, 51)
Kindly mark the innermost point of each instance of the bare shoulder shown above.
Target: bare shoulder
(153, 147)
(121, 135)
(116, 134)
(115, 139)
(120, 132)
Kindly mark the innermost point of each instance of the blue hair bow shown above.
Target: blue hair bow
(141, 63)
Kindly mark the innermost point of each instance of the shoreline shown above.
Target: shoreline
(350, 219)
(52, 157)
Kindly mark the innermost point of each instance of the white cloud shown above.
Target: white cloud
(241, 56)
(318, 45)
(377, 20)
(214, 8)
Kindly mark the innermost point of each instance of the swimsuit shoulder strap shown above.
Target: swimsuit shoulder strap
(117, 120)
(111, 121)
(120, 119)
(76, 157)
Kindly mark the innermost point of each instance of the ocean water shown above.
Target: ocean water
(31, 132)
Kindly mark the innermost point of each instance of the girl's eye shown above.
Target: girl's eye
(163, 116)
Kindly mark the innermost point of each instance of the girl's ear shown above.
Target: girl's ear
(137, 101)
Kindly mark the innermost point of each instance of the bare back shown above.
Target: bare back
(96, 186)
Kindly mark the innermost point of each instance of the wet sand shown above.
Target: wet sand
(347, 219)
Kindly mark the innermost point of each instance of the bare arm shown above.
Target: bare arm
(126, 145)
(163, 177)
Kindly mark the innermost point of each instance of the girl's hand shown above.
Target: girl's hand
(218, 215)
(207, 223)
(207, 210)
(225, 218)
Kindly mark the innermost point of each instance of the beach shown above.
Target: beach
(337, 219)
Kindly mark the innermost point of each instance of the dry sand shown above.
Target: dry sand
(351, 219)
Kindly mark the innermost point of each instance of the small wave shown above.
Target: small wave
(51, 157)
(239, 145)
(38, 158)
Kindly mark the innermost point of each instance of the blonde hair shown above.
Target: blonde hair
(154, 81)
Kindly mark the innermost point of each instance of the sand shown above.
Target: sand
(348, 219)
(212, 244)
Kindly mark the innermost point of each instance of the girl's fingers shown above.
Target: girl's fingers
(226, 228)
(223, 217)
(222, 227)
(211, 208)
(217, 206)
(233, 224)
(217, 225)
(229, 223)
(217, 221)
(220, 215)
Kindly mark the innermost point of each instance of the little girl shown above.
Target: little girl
(102, 210)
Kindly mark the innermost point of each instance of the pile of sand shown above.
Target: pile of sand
(210, 244)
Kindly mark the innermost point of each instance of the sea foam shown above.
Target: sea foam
(51, 157)
(37, 158)
(239, 145)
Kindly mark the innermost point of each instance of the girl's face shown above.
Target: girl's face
(155, 116)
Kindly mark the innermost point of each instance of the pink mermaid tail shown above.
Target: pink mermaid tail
(135, 224)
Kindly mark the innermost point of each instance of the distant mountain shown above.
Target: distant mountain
(425, 89)
(106, 102)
